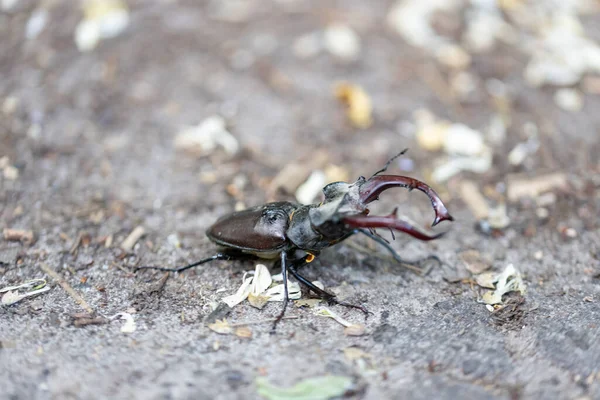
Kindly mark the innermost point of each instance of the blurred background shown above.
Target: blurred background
(156, 117)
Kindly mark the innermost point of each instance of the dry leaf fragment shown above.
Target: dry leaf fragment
(486, 279)
(243, 332)
(241, 294)
(221, 326)
(276, 292)
(319, 388)
(509, 280)
(359, 104)
(12, 294)
(261, 280)
(258, 300)
(326, 312)
(474, 261)
(355, 330)
(355, 353)
(103, 19)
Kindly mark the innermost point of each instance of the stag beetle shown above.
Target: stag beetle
(297, 233)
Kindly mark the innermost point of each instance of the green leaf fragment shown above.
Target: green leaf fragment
(319, 388)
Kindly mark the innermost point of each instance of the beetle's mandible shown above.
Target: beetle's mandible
(297, 233)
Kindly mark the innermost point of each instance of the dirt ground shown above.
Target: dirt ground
(88, 138)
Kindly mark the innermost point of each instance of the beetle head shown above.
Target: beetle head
(344, 207)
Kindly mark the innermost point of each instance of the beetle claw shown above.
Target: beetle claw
(392, 222)
(372, 188)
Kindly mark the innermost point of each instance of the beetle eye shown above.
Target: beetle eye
(332, 190)
(272, 216)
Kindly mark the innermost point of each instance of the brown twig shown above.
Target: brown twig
(65, 285)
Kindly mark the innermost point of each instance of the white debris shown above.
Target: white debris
(453, 56)
(509, 280)
(10, 104)
(485, 26)
(498, 218)
(521, 151)
(241, 294)
(463, 84)
(12, 294)
(173, 240)
(462, 140)
(562, 53)
(103, 19)
(258, 288)
(326, 312)
(307, 46)
(455, 165)
(10, 172)
(311, 188)
(206, 137)
(261, 280)
(464, 146)
(342, 42)
(431, 133)
(276, 293)
(129, 325)
(412, 20)
(36, 23)
(569, 99)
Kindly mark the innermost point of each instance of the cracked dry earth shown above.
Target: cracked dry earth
(91, 136)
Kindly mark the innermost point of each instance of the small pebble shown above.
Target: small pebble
(310, 189)
(453, 56)
(307, 46)
(342, 42)
(569, 99)
(542, 213)
(11, 173)
(36, 23)
(10, 104)
(242, 59)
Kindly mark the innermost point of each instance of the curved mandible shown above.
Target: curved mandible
(391, 222)
(372, 188)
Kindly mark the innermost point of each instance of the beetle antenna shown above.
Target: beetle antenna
(387, 164)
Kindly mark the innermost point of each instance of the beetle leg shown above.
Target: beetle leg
(284, 268)
(412, 265)
(219, 256)
(372, 188)
(331, 298)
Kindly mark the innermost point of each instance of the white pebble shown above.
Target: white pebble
(307, 46)
(569, 99)
(311, 188)
(36, 23)
(342, 42)
(460, 139)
